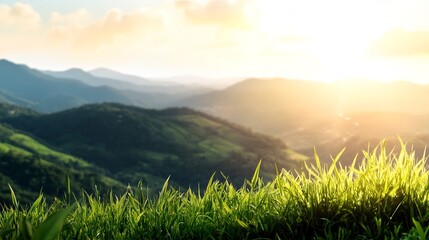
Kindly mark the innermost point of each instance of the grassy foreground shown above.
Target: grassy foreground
(387, 196)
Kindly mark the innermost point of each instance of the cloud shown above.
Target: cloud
(114, 27)
(79, 17)
(400, 43)
(223, 13)
(19, 15)
(20, 25)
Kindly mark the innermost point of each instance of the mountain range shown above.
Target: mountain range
(112, 74)
(49, 91)
(328, 116)
(120, 81)
(45, 93)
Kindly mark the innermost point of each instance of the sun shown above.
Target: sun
(335, 33)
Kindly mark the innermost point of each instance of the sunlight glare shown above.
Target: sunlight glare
(336, 33)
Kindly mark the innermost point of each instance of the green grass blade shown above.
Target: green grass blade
(317, 159)
(255, 177)
(69, 192)
(50, 229)
(334, 162)
(36, 203)
(13, 197)
(419, 228)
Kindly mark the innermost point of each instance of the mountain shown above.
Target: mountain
(108, 73)
(283, 99)
(87, 78)
(37, 88)
(128, 82)
(134, 144)
(307, 114)
(216, 83)
(11, 99)
(184, 80)
(266, 105)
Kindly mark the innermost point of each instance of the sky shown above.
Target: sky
(308, 39)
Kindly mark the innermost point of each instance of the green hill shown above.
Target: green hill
(29, 166)
(135, 144)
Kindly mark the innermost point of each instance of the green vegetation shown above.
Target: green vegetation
(31, 144)
(9, 110)
(30, 167)
(132, 144)
(385, 197)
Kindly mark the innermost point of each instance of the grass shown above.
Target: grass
(384, 197)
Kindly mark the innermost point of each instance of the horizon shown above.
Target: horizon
(324, 41)
(189, 79)
(214, 82)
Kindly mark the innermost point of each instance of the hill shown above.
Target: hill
(296, 102)
(134, 144)
(266, 105)
(8, 110)
(329, 116)
(30, 166)
(361, 130)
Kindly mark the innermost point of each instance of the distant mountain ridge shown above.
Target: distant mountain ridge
(266, 105)
(121, 81)
(108, 73)
(293, 102)
(59, 90)
(37, 88)
(308, 114)
(212, 82)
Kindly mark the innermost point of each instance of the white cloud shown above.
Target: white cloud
(223, 13)
(115, 27)
(78, 18)
(19, 15)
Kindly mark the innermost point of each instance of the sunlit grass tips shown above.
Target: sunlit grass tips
(384, 195)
